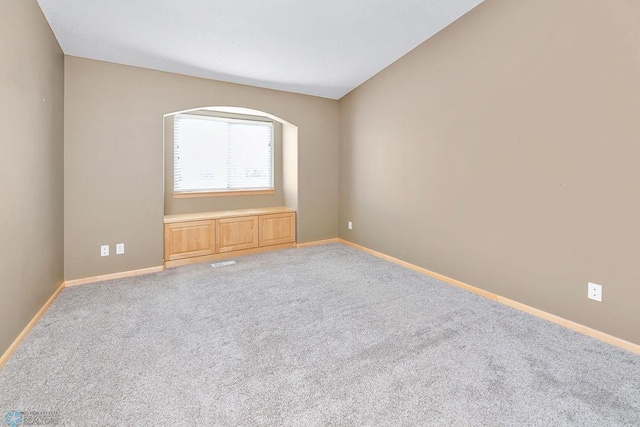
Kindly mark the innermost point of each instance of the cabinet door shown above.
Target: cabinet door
(237, 233)
(189, 239)
(277, 229)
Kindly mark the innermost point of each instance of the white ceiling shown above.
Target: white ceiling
(323, 47)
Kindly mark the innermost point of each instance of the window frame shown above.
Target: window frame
(232, 191)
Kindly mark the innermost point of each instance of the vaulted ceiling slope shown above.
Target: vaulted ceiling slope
(324, 48)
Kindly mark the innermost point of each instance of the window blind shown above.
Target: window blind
(219, 154)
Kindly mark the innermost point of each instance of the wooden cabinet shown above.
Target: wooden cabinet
(277, 229)
(237, 233)
(189, 239)
(209, 236)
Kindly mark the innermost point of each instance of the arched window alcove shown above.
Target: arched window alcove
(285, 166)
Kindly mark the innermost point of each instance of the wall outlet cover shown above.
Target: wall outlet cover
(119, 248)
(104, 250)
(594, 292)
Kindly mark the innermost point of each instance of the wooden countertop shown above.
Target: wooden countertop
(199, 216)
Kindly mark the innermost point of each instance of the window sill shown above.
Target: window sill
(223, 193)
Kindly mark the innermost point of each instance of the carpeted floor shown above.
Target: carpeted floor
(324, 335)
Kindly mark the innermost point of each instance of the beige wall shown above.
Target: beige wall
(500, 153)
(207, 204)
(504, 153)
(31, 119)
(114, 158)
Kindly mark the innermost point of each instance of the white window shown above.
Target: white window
(213, 154)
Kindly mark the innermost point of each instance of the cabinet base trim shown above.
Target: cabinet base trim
(102, 278)
(215, 257)
(569, 324)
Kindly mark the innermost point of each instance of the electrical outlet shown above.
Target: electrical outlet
(594, 292)
(104, 250)
(119, 248)
(350, 225)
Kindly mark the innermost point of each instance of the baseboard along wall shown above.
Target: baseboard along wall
(317, 242)
(120, 275)
(16, 343)
(577, 327)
